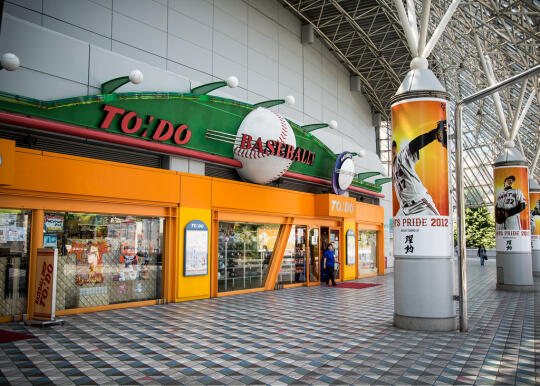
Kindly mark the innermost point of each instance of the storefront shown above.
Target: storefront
(130, 235)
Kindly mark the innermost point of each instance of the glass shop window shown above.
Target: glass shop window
(14, 257)
(367, 252)
(105, 259)
(293, 266)
(244, 251)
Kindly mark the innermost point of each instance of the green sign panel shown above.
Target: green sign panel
(178, 119)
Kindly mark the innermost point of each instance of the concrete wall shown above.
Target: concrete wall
(68, 47)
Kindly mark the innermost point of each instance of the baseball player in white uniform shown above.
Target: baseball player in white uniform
(412, 195)
(510, 202)
(535, 213)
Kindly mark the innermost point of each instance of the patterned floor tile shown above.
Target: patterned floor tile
(280, 337)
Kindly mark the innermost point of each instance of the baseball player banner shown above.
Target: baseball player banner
(422, 225)
(512, 226)
(535, 219)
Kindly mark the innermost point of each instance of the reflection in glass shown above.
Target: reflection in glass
(105, 259)
(244, 251)
(293, 265)
(14, 256)
(314, 265)
(367, 252)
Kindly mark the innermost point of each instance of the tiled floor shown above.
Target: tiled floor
(315, 335)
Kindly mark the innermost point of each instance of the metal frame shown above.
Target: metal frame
(462, 242)
(366, 36)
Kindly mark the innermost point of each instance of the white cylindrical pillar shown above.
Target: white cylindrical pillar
(424, 268)
(512, 225)
(534, 202)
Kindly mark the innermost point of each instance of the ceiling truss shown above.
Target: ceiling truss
(366, 36)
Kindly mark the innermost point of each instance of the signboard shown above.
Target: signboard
(421, 223)
(512, 225)
(344, 173)
(535, 219)
(191, 125)
(331, 205)
(53, 223)
(45, 284)
(351, 247)
(196, 249)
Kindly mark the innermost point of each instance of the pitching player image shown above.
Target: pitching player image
(411, 193)
(510, 203)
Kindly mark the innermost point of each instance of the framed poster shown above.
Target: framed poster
(196, 249)
(54, 223)
(351, 247)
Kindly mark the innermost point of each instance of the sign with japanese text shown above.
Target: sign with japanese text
(196, 249)
(351, 247)
(535, 219)
(45, 284)
(421, 222)
(512, 225)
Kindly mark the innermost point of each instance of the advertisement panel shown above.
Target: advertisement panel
(535, 219)
(422, 225)
(512, 225)
(196, 249)
(45, 284)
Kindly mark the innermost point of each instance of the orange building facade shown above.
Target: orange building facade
(122, 233)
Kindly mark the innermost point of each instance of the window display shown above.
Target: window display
(293, 266)
(105, 259)
(244, 251)
(367, 252)
(14, 255)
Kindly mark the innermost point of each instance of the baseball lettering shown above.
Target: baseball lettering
(131, 123)
(278, 149)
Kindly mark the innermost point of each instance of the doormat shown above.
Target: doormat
(10, 336)
(356, 285)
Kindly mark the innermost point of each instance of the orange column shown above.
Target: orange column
(170, 253)
(277, 255)
(36, 241)
(214, 255)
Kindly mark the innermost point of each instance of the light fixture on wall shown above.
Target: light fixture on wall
(9, 62)
(316, 126)
(232, 82)
(135, 77)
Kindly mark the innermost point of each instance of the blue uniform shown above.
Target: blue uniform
(329, 260)
(330, 257)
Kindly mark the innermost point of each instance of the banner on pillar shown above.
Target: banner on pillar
(512, 225)
(422, 225)
(535, 219)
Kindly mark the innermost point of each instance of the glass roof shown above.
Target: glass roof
(367, 37)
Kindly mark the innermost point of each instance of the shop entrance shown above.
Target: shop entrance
(314, 257)
(329, 235)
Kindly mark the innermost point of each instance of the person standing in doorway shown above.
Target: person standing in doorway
(328, 263)
(482, 254)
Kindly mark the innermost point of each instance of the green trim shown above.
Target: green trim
(363, 176)
(273, 102)
(315, 126)
(382, 181)
(113, 84)
(206, 88)
(198, 111)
